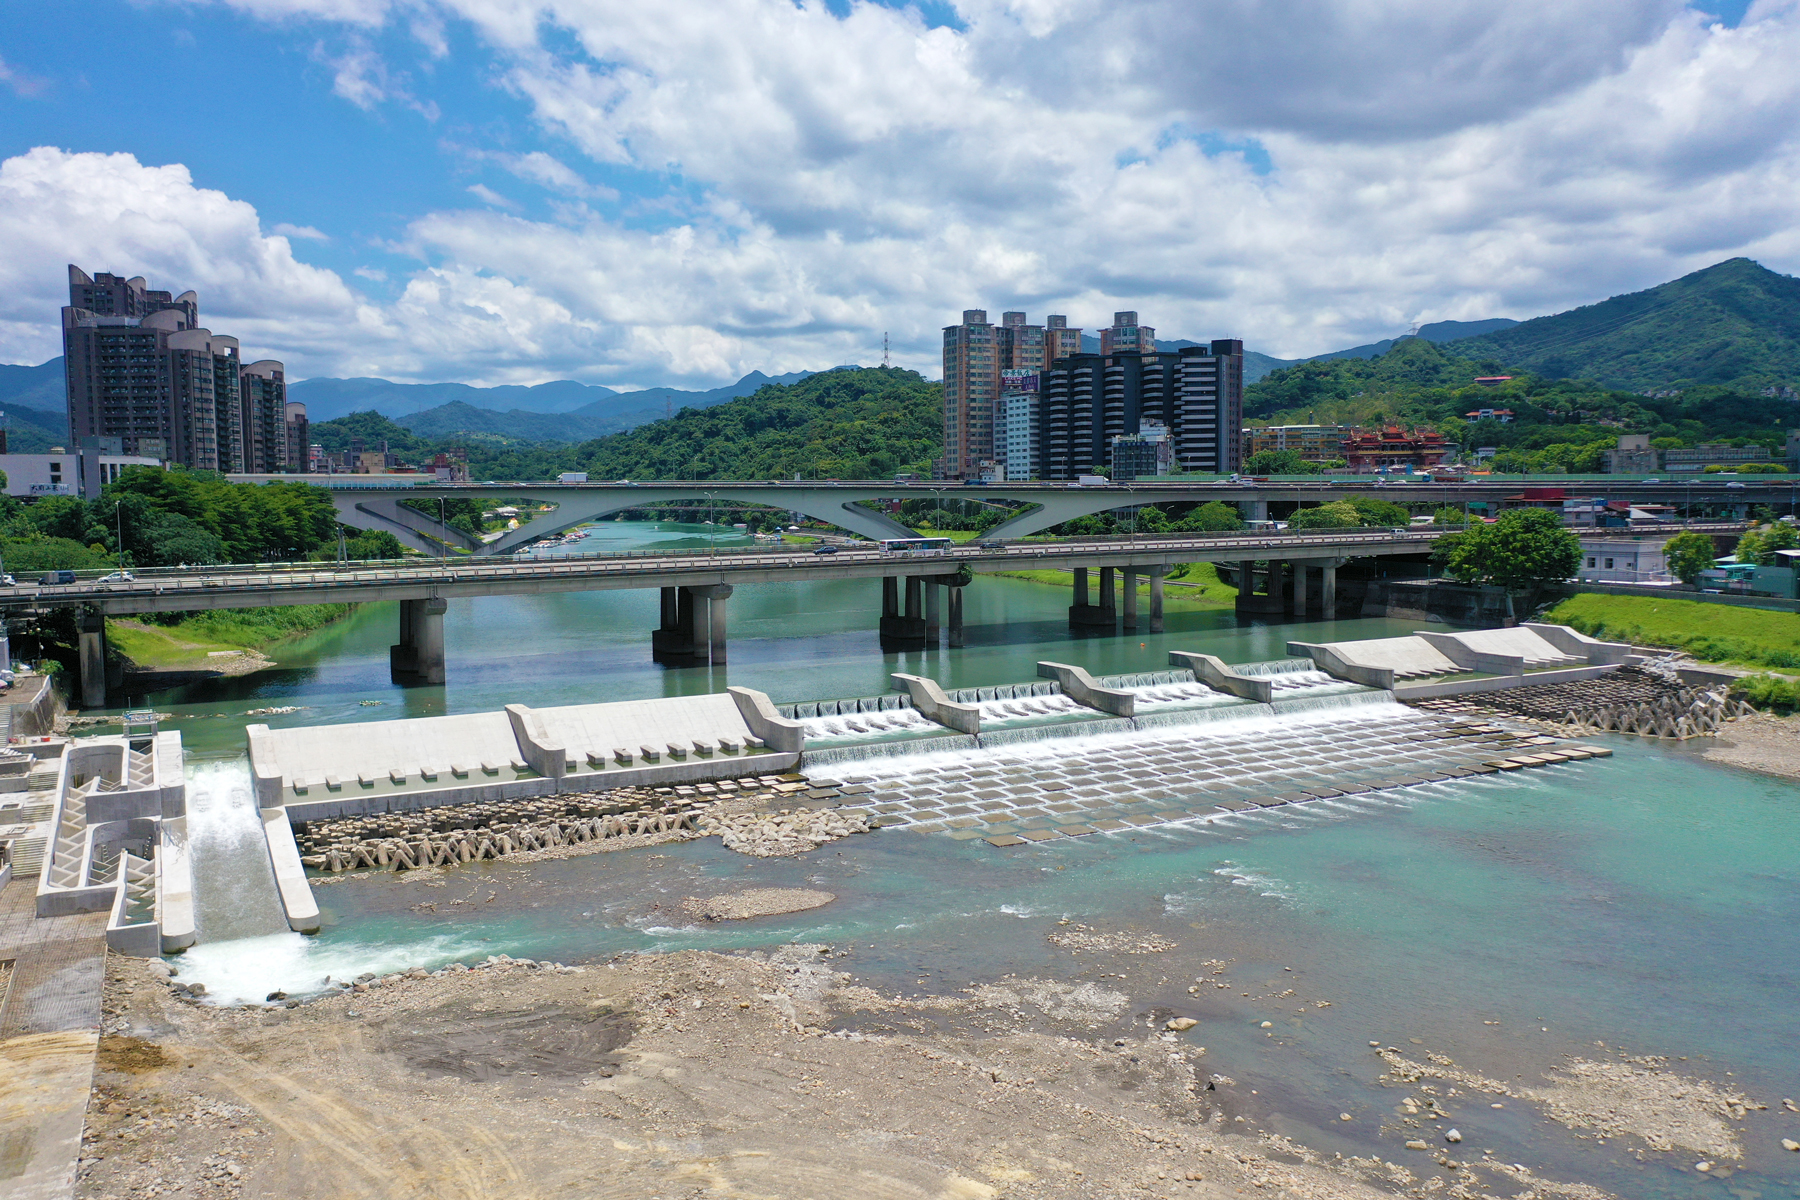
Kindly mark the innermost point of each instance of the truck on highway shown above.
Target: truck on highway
(572, 477)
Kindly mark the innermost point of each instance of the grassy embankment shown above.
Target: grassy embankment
(1196, 587)
(1721, 633)
(187, 644)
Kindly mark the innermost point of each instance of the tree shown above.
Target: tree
(1215, 516)
(1750, 547)
(1688, 554)
(1525, 549)
(1446, 515)
(1375, 511)
(1339, 514)
(1759, 545)
(1279, 462)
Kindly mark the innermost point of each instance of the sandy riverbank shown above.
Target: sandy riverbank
(1759, 742)
(776, 1075)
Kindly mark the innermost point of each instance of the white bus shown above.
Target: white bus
(917, 546)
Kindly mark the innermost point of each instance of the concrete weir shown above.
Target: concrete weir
(317, 771)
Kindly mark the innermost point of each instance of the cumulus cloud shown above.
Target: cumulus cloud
(813, 179)
(109, 212)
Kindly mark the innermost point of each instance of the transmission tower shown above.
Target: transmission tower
(884, 349)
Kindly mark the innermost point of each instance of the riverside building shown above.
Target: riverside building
(1092, 400)
(141, 370)
(975, 353)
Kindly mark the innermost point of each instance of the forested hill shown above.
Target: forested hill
(1735, 324)
(853, 423)
(850, 423)
(1571, 421)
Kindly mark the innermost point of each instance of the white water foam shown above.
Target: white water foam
(245, 970)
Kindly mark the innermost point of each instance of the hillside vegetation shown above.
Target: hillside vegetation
(1557, 425)
(852, 423)
(1736, 324)
(1712, 632)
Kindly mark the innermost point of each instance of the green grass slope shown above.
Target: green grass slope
(1736, 323)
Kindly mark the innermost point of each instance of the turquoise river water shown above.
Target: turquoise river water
(1649, 902)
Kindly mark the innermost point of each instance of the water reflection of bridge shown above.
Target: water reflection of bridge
(921, 595)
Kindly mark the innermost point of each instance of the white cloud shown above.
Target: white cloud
(109, 212)
(361, 75)
(830, 178)
(22, 84)
(305, 232)
(488, 195)
(372, 274)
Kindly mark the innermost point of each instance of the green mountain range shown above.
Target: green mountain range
(1736, 324)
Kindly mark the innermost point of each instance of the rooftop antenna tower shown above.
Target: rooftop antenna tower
(884, 349)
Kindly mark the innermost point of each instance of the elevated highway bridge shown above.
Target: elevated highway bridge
(374, 501)
(921, 592)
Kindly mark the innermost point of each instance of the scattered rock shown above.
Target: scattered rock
(783, 834)
(1790, 1144)
(757, 902)
(1417, 1145)
(1453, 1135)
(1180, 1024)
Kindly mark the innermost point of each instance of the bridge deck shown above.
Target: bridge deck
(179, 590)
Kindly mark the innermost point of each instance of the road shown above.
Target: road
(183, 590)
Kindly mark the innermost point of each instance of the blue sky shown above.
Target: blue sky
(683, 195)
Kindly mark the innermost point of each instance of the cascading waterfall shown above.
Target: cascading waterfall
(1280, 666)
(234, 884)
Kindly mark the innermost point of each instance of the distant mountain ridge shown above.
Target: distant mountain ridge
(1257, 364)
(327, 398)
(1734, 323)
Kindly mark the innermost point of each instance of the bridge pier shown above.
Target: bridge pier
(1272, 599)
(1083, 615)
(93, 660)
(1255, 510)
(901, 630)
(693, 626)
(1328, 590)
(1156, 599)
(1129, 621)
(419, 658)
(955, 604)
(933, 621)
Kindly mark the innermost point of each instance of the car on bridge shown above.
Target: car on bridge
(825, 549)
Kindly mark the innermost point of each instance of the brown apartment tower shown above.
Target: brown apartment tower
(143, 374)
(975, 353)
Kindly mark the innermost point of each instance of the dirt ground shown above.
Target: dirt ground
(1760, 742)
(686, 1075)
(774, 1076)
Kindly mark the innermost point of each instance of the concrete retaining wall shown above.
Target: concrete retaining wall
(931, 702)
(1464, 655)
(290, 875)
(1221, 678)
(175, 887)
(1328, 660)
(764, 722)
(1080, 687)
(1571, 641)
(1436, 600)
(1493, 683)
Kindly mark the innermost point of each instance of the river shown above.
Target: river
(1648, 903)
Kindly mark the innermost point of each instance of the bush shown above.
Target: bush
(1771, 693)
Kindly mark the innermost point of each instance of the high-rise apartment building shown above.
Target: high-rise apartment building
(299, 433)
(1059, 340)
(1090, 400)
(1127, 337)
(971, 387)
(975, 353)
(141, 370)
